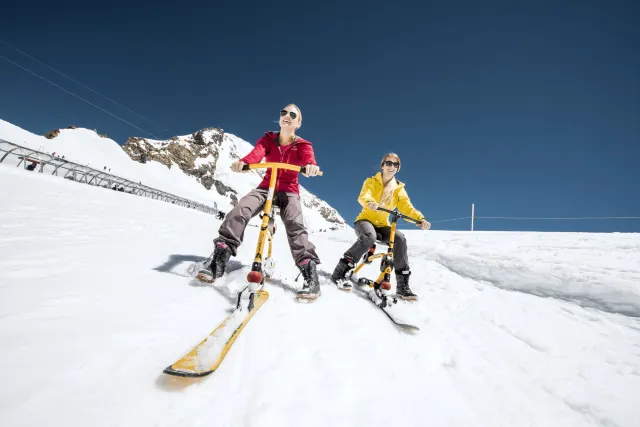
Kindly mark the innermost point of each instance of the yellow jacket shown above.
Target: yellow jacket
(372, 192)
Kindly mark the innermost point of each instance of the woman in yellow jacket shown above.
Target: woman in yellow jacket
(386, 191)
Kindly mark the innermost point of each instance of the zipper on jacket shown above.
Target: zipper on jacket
(281, 161)
(279, 174)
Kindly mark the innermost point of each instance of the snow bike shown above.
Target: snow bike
(208, 354)
(379, 292)
(257, 274)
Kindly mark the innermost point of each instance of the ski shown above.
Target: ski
(399, 323)
(384, 304)
(209, 354)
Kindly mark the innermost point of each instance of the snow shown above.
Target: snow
(516, 329)
(609, 284)
(210, 352)
(232, 149)
(202, 161)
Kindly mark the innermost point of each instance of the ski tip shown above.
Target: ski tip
(306, 298)
(406, 327)
(189, 374)
(204, 278)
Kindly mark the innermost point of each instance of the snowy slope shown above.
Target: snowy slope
(94, 304)
(86, 147)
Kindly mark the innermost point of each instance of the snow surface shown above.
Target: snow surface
(210, 351)
(517, 329)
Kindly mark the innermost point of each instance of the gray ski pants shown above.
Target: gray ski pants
(232, 229)
(366, 233)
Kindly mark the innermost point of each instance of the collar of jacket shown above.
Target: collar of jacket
(272, 135)
(378, 177)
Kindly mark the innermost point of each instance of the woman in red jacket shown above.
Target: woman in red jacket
(284, 147)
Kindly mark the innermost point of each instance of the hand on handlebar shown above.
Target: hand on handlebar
(237, 166)
(424, 224)
(311, 170)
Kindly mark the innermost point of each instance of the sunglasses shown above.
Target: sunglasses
(291, 113)
(390, 163)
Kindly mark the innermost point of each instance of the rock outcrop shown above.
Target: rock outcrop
(52, 134)
(183, 152)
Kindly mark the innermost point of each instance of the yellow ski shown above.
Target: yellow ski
(207, 356)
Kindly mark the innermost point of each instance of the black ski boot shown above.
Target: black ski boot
(402, 288)
(339, 276)
(311, 287)
(218, 264)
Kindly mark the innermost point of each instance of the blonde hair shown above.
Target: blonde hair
(386, 200)
(294, 136)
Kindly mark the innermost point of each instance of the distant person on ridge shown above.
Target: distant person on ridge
(283, 147)
(384, 190)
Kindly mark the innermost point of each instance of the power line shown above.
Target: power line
(554, 218)
(85, 86)
(538, 218)
(454, 219)
(79, 97)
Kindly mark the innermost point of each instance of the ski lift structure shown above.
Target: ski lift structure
(41, 162)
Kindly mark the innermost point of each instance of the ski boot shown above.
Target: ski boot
(216, 268)
(339, 276)
(311, 287)
(402, 288)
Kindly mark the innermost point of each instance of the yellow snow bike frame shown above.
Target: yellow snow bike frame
(256, 275)
(387, 262)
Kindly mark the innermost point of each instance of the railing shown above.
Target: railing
(473, 217)
(38, 161)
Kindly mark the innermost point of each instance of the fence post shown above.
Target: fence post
(473, 213)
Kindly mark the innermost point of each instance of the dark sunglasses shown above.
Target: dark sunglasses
(291, 113)
(390, 163)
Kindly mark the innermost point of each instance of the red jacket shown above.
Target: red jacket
(300, 153)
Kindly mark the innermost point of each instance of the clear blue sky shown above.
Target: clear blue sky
(527, 109)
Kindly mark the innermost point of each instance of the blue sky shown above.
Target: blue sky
(525, 109)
